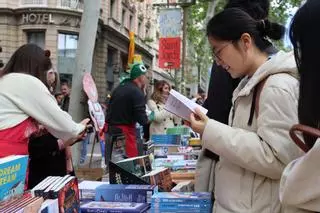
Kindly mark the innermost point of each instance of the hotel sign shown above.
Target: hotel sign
(37, 18)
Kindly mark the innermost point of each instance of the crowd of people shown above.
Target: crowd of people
(249, 160)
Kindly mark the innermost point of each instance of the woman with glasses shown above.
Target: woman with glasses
(255, 147)
(300, 180)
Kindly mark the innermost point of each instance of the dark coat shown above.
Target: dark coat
(45, 159)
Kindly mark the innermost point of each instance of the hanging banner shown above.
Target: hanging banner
(169, 53)
(170, 22)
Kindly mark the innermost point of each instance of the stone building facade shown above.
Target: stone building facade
(55, 25)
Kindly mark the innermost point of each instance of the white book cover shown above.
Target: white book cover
(182, 106)
(49, 206)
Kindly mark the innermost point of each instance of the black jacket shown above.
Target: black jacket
(45, 159)
(127, 106)
(65, 103)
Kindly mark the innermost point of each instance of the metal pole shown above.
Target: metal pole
(86, 43)
(184, 43)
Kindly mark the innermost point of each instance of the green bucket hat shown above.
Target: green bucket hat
(136, 70)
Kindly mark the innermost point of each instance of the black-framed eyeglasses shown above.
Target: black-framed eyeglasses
(216, 54)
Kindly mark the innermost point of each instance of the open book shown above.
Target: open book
(181, 105)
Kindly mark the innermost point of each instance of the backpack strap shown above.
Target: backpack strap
(255, 100)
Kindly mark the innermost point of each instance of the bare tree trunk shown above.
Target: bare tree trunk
(88, 33)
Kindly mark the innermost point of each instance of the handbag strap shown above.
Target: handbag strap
(304, 129)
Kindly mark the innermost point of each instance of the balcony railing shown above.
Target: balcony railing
(71, 4)
(33, 3)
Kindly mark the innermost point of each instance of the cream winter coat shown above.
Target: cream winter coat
(162, 118)
(252, 158)
(300, 181)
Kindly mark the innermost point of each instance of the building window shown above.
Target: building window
(147, 32)
(37, 38)
(34, 2)
(71, 4)
(67, 48)
(111, 68)
(131, 22)
(112, 8)
(123, 18)
(67, 45)
(139, 28)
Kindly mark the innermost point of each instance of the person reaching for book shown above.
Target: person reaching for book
(26, 103)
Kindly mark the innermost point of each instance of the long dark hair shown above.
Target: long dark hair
(257, 9)
(29, 59)
(304, 35)
(230, 24)
(158, 89)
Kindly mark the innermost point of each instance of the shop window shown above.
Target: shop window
(37, 38)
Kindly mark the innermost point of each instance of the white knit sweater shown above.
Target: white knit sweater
(23, 96)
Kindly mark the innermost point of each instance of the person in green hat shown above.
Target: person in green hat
(127, 106)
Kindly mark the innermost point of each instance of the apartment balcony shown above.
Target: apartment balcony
(70, 4)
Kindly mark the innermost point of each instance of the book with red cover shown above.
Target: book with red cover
(68, 196)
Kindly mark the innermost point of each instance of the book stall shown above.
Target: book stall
(161, 179)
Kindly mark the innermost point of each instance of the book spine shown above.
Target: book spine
(176, 210)
(180, 200)
(102, 210)
(127, 195)
(180, 205)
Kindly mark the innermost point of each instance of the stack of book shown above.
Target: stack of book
(22, 204)
(87, 189)
(125, 193)
(120, 198)
(12, 175)
(178, 130)
(165, 144)
(163, 139)
(160, 177)
(138, 166)
(114, 207)
(181, 202)
(148, 147)
(175, 164)
(65, 189)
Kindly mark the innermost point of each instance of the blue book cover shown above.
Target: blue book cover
(181, 205)
(152, 210)
(113, 207)
(12, 175)
(125, 193)
(166, 139)
(182, 197)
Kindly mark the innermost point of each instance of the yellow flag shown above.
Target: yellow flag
(131, 48)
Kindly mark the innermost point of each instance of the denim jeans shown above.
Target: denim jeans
(84, 146)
